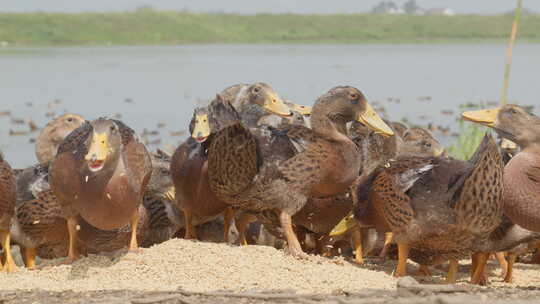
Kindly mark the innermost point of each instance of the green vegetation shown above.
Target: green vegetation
(470, 136)
(149, 27)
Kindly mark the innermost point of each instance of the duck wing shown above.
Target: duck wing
(68, 160)
(136, 158)
(388, 191)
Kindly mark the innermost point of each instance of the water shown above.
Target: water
(164, 83)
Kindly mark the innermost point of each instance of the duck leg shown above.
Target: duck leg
(511, 260)
(292, 241)
(228, 218)
(502, 262)
(241, 225)
(479, 277)
(357, 245)
(134, 223)
(191, 233)
(29, 257)
(452, 271)
(403, 255)
(73, 228)
(388, 239)
(9, 266)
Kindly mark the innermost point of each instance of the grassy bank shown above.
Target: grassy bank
(148, 27)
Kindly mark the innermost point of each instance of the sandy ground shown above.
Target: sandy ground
(178, 270)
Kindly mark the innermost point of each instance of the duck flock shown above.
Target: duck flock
(326, 179)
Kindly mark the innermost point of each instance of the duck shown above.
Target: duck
(8, 197)
(437, 208)
(40, 229)
(274, 180)
(100, 173)
(52, 135)
(521, 173)
(189, 168)
(375, 150)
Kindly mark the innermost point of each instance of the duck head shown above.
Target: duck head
(54, 133)
(345, 104)
(511, 122)
(200, 125)
(104, 144)
(420, 142)
(205, 121)
(264, 96)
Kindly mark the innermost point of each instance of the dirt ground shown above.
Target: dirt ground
(181, 271)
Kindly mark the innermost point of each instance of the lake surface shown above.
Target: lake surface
(165, 83)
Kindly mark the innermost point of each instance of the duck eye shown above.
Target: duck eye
(256, 89)
(112, 128)
(70, 119)
(513, 111)
(427, 144)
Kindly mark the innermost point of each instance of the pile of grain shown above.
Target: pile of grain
(198, 266)
(201, 267)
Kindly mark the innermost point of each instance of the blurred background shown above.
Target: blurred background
(151, 62)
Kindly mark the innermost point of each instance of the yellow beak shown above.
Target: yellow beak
(483, 117)
(439, 152)
(99, 147)
(346, 224)
(304, 110)
(202, 127)
(275, 105)
(508, 144)
(371, 119)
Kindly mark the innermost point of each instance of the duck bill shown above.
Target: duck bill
(372, 120)
(201, 131)
(346, 224)
(275, 105)
(483, 117)
(304, 110)
(98, 152)
(439, 152)
(508, 144)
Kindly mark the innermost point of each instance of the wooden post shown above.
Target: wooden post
(513, 34)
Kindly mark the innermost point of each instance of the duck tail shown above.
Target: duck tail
(234, 160)
(480, 204)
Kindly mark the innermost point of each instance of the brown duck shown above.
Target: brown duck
(8, 197)
(189, 168)
(53, 134)
(247, 172)
(100, 173)
(321, 215)
(437, 208)
(40, 230)
(521, 179)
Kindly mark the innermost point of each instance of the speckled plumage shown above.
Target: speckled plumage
(8, 194)
(440, 207)
(245, 171)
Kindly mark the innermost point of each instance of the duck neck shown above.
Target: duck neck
(333, 129)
